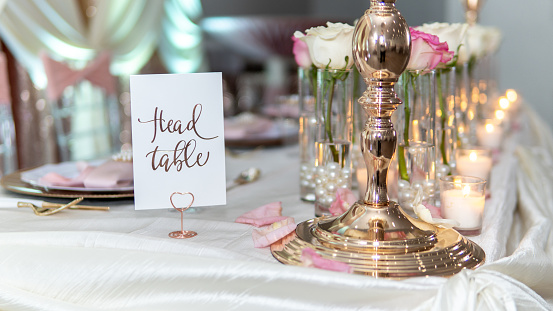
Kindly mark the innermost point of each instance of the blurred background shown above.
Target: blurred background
(64, 68)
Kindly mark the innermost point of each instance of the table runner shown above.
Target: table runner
(123, 259)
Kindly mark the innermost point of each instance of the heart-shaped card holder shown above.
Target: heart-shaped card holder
(182, 234)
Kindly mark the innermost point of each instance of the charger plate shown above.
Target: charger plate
(14, 183)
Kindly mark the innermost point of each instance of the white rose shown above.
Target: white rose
(493, 39)
(330, 45)
(476, 41)
(453, 34)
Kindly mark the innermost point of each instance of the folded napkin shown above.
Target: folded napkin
(110, 174)
(245, 125)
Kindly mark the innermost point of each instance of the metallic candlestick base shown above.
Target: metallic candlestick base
(375, 237)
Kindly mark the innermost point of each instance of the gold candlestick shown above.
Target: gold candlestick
(375, 237)
(472, 8)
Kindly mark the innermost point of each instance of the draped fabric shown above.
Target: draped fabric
(128, 29)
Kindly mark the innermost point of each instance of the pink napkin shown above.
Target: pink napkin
(110, 174)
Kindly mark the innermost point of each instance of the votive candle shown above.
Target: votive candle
(475, 162)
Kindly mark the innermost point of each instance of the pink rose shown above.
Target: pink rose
(301, 51)
(344, 200)
(427, 51)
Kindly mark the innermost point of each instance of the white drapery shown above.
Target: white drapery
(130, 30)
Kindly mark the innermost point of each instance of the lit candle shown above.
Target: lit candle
(511, 95)
(465, 206)
(489, 134)
(474, 162)
(462, 199)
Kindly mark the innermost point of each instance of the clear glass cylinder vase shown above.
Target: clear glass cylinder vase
(466, 104)
(334, 113)
(307, 132)
(415, 153)
(446, 137)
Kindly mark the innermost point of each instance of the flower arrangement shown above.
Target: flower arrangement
(427, 53)
(329, 48)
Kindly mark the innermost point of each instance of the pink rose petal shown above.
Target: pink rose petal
(263, 215)
(273, 233)
(344, 200)
(310, 258)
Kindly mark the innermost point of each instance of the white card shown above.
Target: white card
(178, 139)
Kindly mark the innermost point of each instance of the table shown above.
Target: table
(124, 260)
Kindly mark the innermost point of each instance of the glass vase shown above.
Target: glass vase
(307, 133)
(334, 113)
(415, 153)
(446, 137)
(466, 104)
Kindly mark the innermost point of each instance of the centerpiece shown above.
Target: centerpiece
(375, 237)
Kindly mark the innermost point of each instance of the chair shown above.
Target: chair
(8, 154)
(84, 108)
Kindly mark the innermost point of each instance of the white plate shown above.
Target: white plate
(69, 170)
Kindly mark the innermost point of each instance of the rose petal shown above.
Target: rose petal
(263, 215)
(273, 233)
(310, 258)
(344, 200)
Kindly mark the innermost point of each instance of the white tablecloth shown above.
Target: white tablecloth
(124, 260)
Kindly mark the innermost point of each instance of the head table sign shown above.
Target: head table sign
(178, 140)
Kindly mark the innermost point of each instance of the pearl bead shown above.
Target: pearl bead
(403, 184)
(318, 181)
(304, 183)
(332, 175)
(304, 167)
(308, 176)
(331, 187)
(429, 184)
(332, 166)
(321, 171)
(416, 185)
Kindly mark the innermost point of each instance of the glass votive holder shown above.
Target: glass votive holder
(489, 133)
(474, 161)
(463, 199)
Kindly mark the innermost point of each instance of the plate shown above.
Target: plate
(256, 131)
(67, 169)
(14, 183)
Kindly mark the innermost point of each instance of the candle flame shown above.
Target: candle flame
(512, 95)
(504, 102)
(472, 156)
(489, 128)
(466, 191)
(499, 114)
